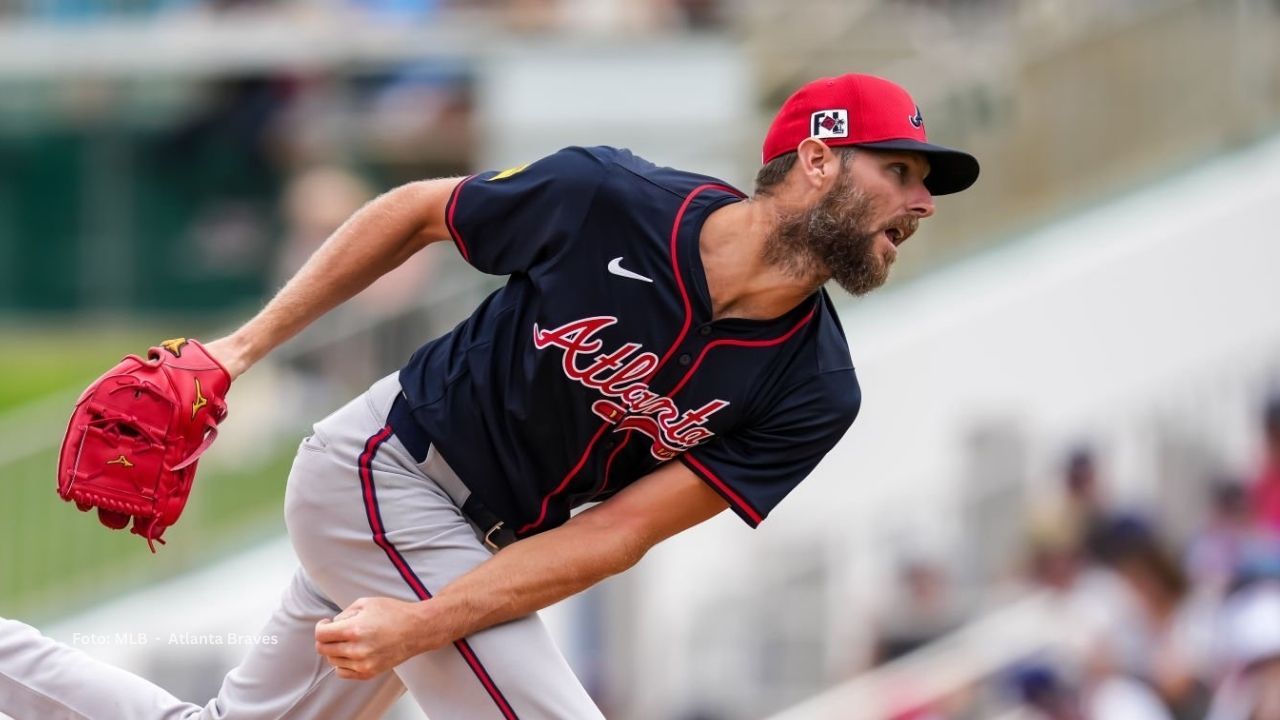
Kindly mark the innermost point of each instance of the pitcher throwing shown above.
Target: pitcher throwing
(663, 348)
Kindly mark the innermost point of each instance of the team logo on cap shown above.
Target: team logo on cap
(829, 124)
(917, 120)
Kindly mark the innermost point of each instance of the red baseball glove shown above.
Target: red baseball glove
(136, 433)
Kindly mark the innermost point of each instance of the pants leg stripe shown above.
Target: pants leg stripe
(406, 572)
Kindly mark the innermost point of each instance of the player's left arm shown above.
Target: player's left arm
(375, 240)
(375, 634)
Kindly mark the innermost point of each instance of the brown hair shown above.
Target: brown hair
(772, 173)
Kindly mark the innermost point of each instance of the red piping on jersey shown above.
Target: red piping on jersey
(724, 489)
(721, 485)
(608, 464)
(740, 343)
(374, 515)
(448, 219)
(565, 482)
(675, 268)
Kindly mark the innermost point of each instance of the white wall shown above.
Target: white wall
(687, 102)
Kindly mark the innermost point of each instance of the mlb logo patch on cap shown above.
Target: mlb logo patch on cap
(829, 124)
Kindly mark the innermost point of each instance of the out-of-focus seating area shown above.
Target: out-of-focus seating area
(1155, 620)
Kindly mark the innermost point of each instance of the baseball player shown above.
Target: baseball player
(664, 349)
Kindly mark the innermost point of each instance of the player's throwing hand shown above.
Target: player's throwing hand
(369, 638)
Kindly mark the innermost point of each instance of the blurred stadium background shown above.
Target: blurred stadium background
(1061, 500)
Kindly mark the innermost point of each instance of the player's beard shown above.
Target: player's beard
(834, 239)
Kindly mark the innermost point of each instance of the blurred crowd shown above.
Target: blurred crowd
(1161, 627)
(519, 15)
(261, 137)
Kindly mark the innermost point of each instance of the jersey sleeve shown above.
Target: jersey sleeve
(754, 467)
(509, 221)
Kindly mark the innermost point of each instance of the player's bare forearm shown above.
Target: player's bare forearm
(375, 634)
(528, 576)
(372, 242)
(546, 568)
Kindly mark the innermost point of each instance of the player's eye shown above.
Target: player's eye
(901, 170)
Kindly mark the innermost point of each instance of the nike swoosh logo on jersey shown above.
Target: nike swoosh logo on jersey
(615, 267)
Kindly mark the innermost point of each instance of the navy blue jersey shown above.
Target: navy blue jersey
(599, 360)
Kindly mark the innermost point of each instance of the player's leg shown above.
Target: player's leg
(358, 483)
(281, 678)
(43, 678)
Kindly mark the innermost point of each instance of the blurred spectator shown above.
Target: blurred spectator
(397, 11)
(923, 609)
(1054, 558)
(1266, 487)
(1086, 505)
(1080, 512)
(1251, 634)
(531, 16)
(1169, 647)
(1047, 694)
(1043, 694)
(418, 107)
(700, 15)
(1122, 698)
(1218, 548)
(81, 10)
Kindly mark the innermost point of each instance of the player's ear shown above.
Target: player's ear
(817, 164)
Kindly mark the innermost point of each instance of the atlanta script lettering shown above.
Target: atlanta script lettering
(621, 376)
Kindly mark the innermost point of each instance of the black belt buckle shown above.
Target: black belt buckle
(498, 535)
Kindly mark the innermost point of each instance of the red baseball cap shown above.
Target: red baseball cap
(866, 111)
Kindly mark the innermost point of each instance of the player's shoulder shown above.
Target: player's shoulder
(570, 170)
(627, 170)
(566, 164)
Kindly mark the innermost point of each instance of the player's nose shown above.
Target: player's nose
(921, 202)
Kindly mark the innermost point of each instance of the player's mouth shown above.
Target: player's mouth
(900, 229)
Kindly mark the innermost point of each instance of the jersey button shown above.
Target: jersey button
(706, 330)
(685, 359)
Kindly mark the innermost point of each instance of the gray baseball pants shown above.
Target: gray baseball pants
(365, 520)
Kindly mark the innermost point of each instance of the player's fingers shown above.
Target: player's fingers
(333, 631)
(348, 674)
(338, 662)
(353, 669)
(342, 650)
(351, 611)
